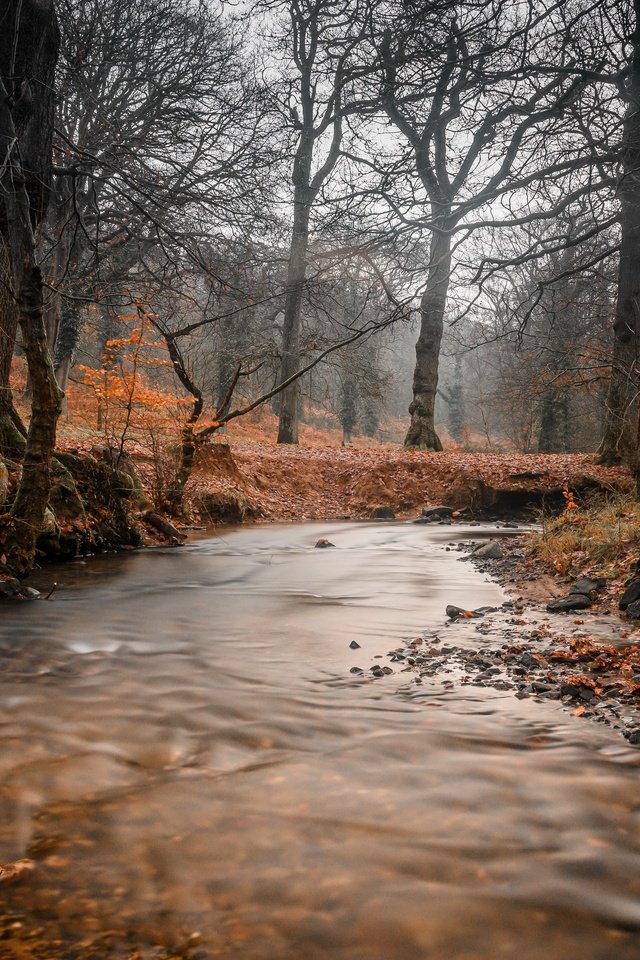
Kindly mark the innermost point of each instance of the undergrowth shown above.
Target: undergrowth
(599, 538)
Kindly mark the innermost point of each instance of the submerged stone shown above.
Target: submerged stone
(488, 551)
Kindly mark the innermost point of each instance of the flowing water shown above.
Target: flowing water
(196, 773)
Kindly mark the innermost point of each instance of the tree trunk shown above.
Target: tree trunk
(288, 422)
(66, 345)
(63, 369)
(188, 447)
(620, 437)
(53, 299)
(28, 54)
(189, 442)
(620, 402)
(422, 433)
(12, 431)
(28, 508)
(554, 433)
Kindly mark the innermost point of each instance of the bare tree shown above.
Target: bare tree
(323, 35)
(161, 147)
(336, 331)
(469, 90)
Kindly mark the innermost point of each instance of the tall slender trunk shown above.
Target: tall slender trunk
(620, 403)
(189, 440)
(27, 512)
(288, 422)
(554, 431)
(31, 42)
(12, 431)
(53, 299)
(63, 369)
(620, 439)
(422, 432)
(28, 508)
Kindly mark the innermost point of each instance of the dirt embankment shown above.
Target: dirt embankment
(297, 483)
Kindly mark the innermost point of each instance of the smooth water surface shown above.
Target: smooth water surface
(188, 759)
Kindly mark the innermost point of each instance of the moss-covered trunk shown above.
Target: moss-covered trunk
(28, 54)
(189, 442)
(27, 512)
(422, 431)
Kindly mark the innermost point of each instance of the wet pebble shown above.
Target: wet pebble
(539, 686)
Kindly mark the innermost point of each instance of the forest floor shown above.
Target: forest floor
(329, 482)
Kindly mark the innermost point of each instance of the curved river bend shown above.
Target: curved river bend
(197, 774)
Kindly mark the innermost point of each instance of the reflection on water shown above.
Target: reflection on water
(188, 759)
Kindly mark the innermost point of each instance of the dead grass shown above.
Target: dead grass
(600, 539)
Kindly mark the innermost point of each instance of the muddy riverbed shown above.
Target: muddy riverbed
(195, 771)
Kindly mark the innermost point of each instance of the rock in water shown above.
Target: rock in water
(459, 613)
(631, 594)
(437, 513)
(488, 551)
(9, 588)
(354, 645)
(323, 543)
(575, 601)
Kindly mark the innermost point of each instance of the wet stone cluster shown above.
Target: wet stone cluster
(586, 678)
(521, 656)
(576, 674)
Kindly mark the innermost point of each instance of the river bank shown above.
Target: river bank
(596, 675)
(590, 661)
(280, 482)
(587, 660)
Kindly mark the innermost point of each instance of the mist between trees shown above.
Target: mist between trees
(207, 208)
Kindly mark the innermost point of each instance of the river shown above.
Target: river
(197, 774)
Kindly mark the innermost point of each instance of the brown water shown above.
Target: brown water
(197, 774)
